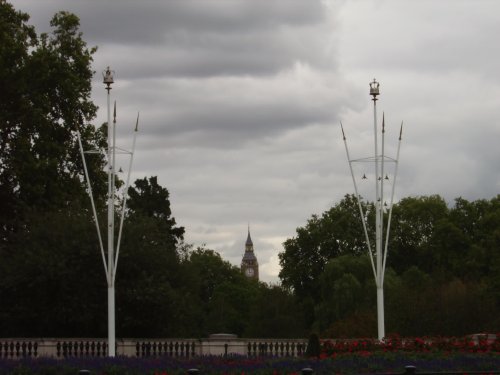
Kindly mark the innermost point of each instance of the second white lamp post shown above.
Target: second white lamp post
(381, 238)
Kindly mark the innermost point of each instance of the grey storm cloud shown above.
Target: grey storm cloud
(155, 21)
(232, 111)
(200, 38)
(201, 55)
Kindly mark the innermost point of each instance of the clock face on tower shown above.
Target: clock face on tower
(249, 272)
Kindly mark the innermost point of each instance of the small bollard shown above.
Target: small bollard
(193, 371)
(84, 372)
(410, 370)
(307, 370)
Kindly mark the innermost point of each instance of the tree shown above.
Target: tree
(479, 222)
(409, 303)
(440, 259)
(52, 282)
(275, 313)
(338, 231)
(343, 285)
(229, 307)
(45, 97)
(414, 220)
(347, 290)
(219, 292)
(448, 248)
(486, 258)
(16, 38)
(148, 272)
(149, 199)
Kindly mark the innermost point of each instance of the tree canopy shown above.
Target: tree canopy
(45, 97)
(442, 259)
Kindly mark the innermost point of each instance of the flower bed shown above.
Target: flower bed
(343, 363)
(394, 343)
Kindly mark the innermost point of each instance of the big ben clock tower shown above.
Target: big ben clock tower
(249, 264)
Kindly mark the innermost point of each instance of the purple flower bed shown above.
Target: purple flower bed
(343, 364)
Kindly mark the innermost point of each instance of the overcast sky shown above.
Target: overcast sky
(241, 101)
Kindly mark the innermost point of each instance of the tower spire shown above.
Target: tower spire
(249, 242)
(249, 263)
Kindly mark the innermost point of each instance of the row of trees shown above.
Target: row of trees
(443, 275)
(52, 280)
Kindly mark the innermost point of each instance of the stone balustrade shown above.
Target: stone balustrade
(219, 344)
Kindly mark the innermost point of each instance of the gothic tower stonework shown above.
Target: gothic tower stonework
(249, 264)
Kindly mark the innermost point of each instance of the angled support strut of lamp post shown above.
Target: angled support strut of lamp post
(110, 264)
(377, 253)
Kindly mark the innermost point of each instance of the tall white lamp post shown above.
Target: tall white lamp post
(111, 263)
(108, 80)
(381, 239)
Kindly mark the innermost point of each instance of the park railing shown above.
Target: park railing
(97, 347)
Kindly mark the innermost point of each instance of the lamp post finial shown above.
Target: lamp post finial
(374, 91)
(108, 76)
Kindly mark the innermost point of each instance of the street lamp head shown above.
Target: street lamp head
(108, 78)
(374, 89)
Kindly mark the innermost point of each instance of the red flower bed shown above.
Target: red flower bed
(394, 343)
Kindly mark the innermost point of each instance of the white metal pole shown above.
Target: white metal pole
(382, 159)
(374, 91)
(392, 200)
(111, 176)
(361, 213)
(381, 246)
(125, 197)
(380, 239)
(94, 211)
(111, 285)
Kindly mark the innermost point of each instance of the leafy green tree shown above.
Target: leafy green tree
(148, 272)
(448, 248)
(480, 222)
(441, 259)
(468, 215)
(45, 97)
(485, 258)
(207, 269)
(16, 39)
(275, 313)
(229, 308)
(414, 220)
(52, 283)
(343, 285)
(338, 231)
(219, 293)
(50, 261)
(408, 305)
(149, 199)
